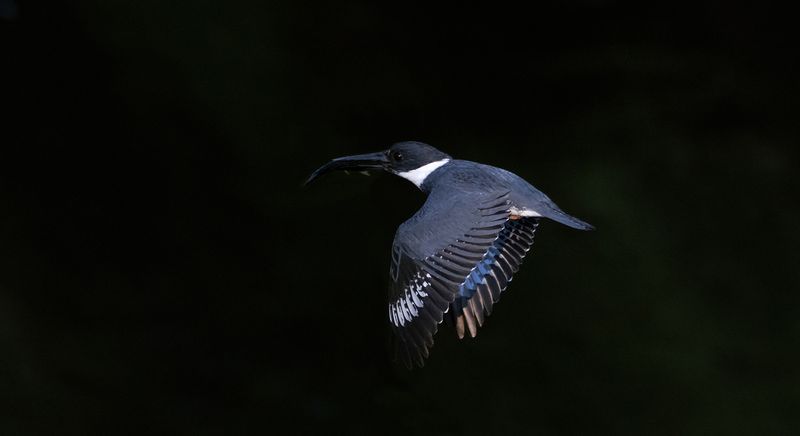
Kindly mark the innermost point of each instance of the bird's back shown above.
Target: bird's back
(466, 179)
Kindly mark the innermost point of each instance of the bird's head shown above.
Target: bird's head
(411, 160)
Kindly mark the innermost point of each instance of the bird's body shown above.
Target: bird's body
(462, 247)
(472, 179)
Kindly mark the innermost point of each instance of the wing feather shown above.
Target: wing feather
(463, 276)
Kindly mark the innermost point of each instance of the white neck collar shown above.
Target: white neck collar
(419, 175)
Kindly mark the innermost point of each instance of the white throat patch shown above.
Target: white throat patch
(419, 175)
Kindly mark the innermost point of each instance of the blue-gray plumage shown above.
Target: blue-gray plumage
(461, 249)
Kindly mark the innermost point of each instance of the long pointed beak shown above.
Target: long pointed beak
(361, 162)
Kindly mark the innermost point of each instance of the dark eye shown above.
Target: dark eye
(397, 156)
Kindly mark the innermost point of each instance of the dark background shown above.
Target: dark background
(162, 271)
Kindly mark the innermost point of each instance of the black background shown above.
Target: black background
(164, 272)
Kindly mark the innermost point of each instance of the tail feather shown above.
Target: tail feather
(558, 215)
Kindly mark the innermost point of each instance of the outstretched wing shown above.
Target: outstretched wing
(455, 259)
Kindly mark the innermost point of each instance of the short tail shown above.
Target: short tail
(568, 220)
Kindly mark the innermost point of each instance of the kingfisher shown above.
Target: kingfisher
(459, 252)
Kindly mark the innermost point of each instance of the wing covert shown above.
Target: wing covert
(463, 273)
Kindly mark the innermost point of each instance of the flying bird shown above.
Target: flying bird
(458, 253)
